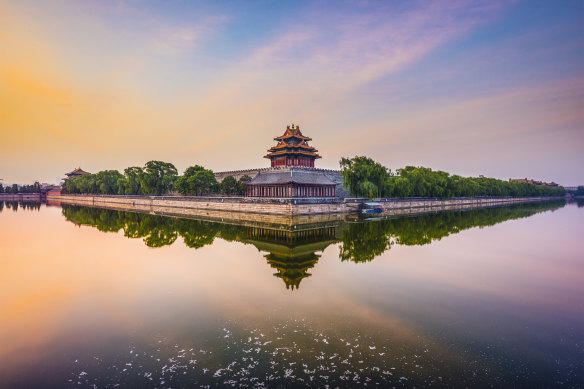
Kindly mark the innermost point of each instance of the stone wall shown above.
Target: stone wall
(20, 197)
(463, 202)
(214, 206)
(228, 204)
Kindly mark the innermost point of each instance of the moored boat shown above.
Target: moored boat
(371, 207)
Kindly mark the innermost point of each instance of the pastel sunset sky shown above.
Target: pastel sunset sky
(469, 87)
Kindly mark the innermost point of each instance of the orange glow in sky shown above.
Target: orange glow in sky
(471, 88)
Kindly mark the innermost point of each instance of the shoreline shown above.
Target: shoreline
(277, 211)
(20, 197)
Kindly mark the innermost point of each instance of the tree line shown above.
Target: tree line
(155, 178)
(366, 178)
(14, 188)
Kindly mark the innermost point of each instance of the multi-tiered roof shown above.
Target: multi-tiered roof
(76, 173)
(292, 149)
(292, 174)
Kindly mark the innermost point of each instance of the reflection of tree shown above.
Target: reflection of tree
(134, 228)
(233, 232)
(362, 242)
(12, 205)
(292, 253)
(26, 205)
(197, 233)
(103, 220)
(157, 231)
(160, 231)
(30, 205)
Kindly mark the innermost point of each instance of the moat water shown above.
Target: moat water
(480, 298)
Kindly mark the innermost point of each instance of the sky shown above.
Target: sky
(469, 87)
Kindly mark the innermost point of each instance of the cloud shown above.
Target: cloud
(317, 61)
(519, 131)
(168, 38)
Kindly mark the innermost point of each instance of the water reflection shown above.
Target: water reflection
(362, 242)
(25, 205)
(291, 254)
(487, 308)
(292, 251)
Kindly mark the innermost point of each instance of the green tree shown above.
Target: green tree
(203, 182)
(158, 177)
(367, 178)
(402, 187)
(182, 183)
(197, 234)
(242, 184)
(107, 181)
(192, 170)
(363, 176)
(361, 242)
(131, 183)
(229, 186)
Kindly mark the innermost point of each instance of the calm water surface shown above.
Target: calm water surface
(102, 298)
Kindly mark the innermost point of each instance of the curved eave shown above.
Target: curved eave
(292, 153)
(293, 136)
(298, 148)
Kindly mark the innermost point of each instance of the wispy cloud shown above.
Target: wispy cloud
(522, 128)
(168, 38)
(315, 62)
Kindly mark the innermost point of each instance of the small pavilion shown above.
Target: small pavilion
(292, 173)
(76, 173)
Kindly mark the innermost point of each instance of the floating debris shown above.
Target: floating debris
(289, 354)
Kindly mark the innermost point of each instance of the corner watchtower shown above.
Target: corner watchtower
(292, 149)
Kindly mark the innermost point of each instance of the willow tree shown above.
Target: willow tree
(364, 177)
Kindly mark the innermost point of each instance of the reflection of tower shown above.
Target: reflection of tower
(291, 253)
(292, 269)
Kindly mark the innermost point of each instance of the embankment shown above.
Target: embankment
(20, 197)
(215, 206)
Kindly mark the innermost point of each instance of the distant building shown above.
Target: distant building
(54, 191)
(292, 173)
(534, 182)
(76, 173)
